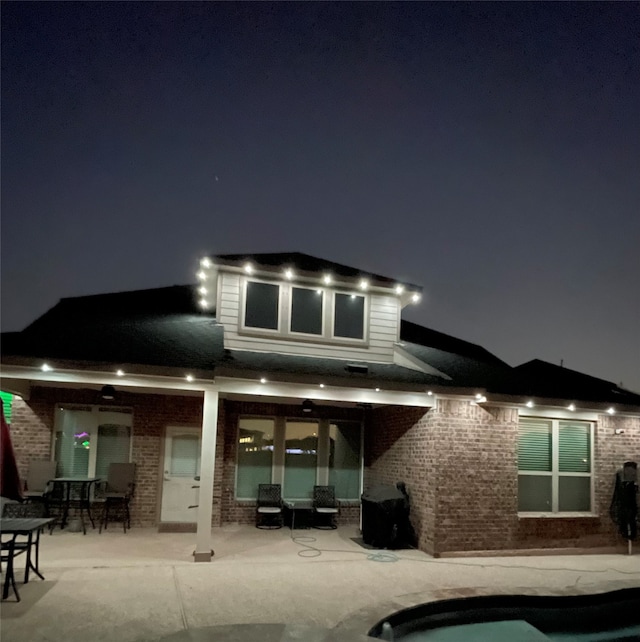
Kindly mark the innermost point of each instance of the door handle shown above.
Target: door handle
(194, 506)
(195, 486)
(196, 478)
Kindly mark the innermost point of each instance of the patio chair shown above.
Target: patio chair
(269, 506)
(116, 494)
(325, 507)
(38, 485)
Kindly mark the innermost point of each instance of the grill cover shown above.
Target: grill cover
(385, 517)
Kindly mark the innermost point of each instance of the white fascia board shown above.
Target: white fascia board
(328, 393)
(98, 378)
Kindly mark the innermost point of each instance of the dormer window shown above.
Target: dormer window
(262, 306)
(348, 320)
(307, 310)
(310, 313)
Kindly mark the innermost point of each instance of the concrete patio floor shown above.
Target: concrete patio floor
(263, 585)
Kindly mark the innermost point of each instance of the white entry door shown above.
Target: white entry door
(180, 488)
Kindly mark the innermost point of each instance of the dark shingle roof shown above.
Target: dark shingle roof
(163, 328)
(307, 263)
(543, 379)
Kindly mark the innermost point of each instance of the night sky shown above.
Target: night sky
(489, 152)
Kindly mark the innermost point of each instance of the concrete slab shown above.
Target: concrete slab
(144, 585)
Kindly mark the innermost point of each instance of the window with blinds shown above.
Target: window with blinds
(554, 465)
(87, 439)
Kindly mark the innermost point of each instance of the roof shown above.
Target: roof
(163, 328)
(542, 379)
(307, 263)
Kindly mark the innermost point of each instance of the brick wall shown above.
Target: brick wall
(459, 461)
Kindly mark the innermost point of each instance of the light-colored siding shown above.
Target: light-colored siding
(383, 330)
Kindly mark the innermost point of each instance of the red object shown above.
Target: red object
(10, 486)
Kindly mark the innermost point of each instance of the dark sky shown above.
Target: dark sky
(490, 152)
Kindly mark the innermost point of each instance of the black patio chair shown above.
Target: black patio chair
(115, 495)
(325, 507)
(269, 506)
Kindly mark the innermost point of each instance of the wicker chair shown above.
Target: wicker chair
(269, 507)
(325, 507)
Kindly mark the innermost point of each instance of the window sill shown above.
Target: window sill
(573, 515)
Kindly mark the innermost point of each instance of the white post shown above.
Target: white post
(203, 550)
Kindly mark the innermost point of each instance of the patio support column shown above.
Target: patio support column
(203, 552)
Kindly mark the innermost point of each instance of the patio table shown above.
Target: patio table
(15, 527)
(81, 501)
(303, 508)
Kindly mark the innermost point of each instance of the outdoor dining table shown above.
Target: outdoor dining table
(82, 500)
(16, 527)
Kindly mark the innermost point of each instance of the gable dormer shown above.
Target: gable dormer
(293, 303)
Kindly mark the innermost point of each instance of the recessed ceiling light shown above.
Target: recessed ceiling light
(189, 377)
(45, 367)
(263, 380)
(248, 268)
(120, 373)
(326, 279)
(364, 284)
(611, 410)
(205, 262)
(571, 407)
(415, 297)
(201, 275)
(399, 289)
(322, 385)
(288, 273)
(529, 404)
(203, 303)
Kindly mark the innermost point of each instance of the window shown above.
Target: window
(554, 465)
(344, 458)
(306, 310)
(300, 458)
(348, 316)
(255, 455)
(293, 310)
(261, 308)
(87, 439)
(299, 454)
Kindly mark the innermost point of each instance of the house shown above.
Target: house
(296, 370)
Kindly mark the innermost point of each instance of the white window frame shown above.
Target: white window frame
(284, 314)
(365, 317)
(307, 335)
(93, 434)
(243, 309)
(555, 473)
(322, 458)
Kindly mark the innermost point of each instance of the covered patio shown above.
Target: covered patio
(265, 585)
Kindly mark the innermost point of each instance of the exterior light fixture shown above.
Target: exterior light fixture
(529, 404)
(45, 367)
(364, 284)
(308, 405)
(571, 407)
(202, 290)
(429, 393)
(399, 289)
(481, 399)
(611, 411)
(248, 268)
(263, 380)
(108, 393)
(189, 377)
(377, 389)
(322, 385)
(204, 304)
(415, 297)
(478, 396)
(288, 274)
(326, 279)
(205, 262)
(202, 275)
(119, 373)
